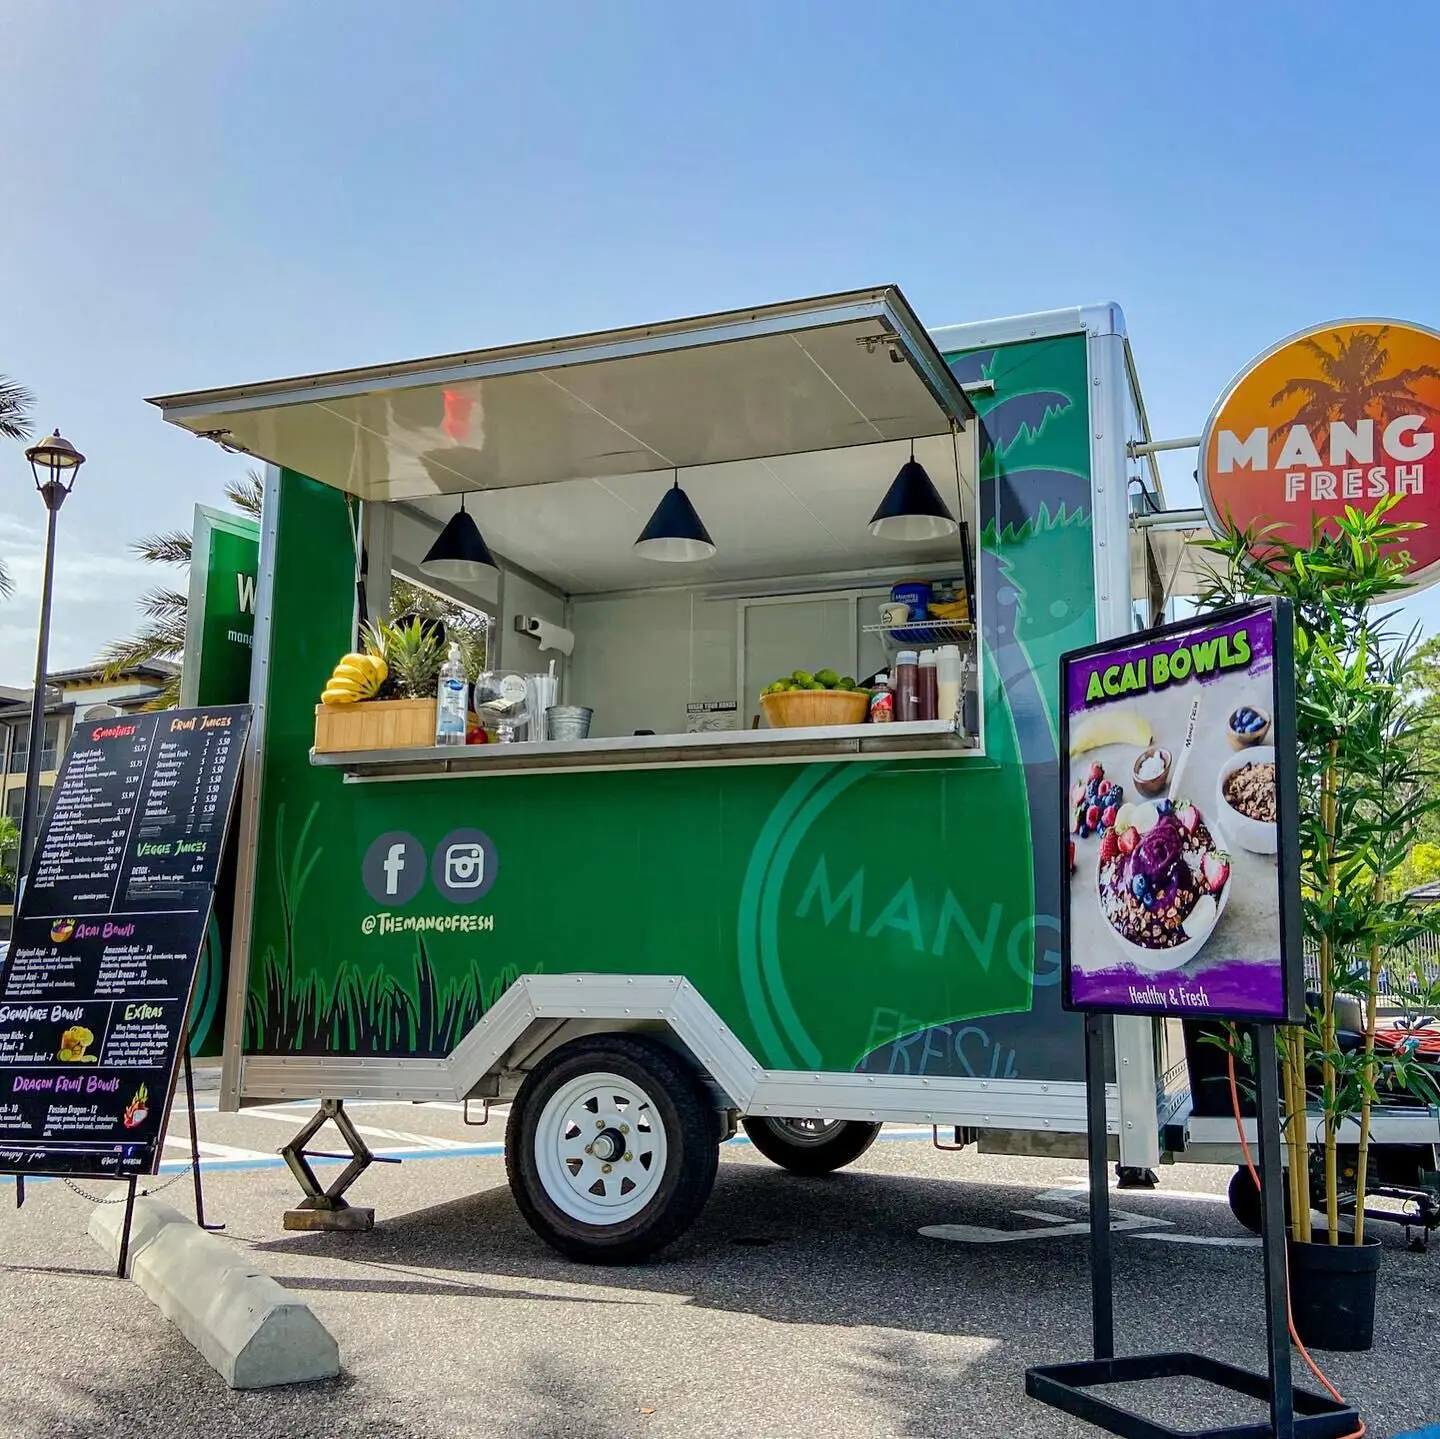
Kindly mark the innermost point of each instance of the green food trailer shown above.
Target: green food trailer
(688, 919)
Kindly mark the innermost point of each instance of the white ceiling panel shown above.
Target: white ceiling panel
(792, 515)
(783, 379)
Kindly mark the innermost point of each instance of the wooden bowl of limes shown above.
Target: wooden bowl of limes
(809, 702)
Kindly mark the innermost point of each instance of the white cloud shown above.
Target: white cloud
(95, 591)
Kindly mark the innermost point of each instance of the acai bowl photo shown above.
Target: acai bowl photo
(1162, 882)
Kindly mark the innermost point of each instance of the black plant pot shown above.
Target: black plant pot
(1332, 1292)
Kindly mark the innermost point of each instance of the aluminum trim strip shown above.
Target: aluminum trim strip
(232, 1058)
(1001, 1104)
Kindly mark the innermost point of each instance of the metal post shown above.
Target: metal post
(1272, 1214)
(19, 1191)
(1102, 1294)
(125, 1228)
(54, 496)
(195, 1141)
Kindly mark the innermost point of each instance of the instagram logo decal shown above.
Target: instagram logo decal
(464, 866)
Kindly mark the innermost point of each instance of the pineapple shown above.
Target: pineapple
(413, 651)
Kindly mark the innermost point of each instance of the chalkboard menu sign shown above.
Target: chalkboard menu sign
(96, 986)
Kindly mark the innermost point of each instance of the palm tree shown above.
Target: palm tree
(15, 404)
(1353, 386)
(161, 635)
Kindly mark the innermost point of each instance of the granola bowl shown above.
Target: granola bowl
(1246, 795)
(1165, 922)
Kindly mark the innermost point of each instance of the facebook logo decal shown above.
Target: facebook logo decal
(394, 868)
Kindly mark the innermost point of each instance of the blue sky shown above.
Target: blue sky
(203, 193)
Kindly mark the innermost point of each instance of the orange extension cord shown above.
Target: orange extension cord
(1315, 1369)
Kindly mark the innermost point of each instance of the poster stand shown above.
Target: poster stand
(1294, 1413)
(101, 969)
(1177, 713)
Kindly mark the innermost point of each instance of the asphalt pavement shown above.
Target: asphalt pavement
(905, 1296)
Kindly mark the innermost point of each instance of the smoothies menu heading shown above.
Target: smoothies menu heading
(96, 986)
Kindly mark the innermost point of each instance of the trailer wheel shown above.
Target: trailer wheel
(1245, 1200)
(810, 1146)
(610, 1148)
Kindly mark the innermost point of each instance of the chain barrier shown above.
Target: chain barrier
(139, 1193)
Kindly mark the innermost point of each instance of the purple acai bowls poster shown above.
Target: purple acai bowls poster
(1172, 805)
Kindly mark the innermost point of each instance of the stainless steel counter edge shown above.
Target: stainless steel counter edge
(923, 740)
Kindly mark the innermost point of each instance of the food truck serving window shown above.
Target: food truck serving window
(704, 540)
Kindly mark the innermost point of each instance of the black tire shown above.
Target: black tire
(686, 1175)
(792, 1147)
(1245, 1200)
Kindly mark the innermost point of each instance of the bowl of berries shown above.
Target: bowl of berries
(1162, 881)
(1247, 727)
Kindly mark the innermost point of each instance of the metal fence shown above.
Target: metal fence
(1407, 973)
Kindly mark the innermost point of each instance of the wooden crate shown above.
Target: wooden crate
(374, 724)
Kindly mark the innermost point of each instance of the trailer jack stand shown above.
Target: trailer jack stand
(326, 1208)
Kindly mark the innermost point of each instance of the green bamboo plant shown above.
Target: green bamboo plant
(1364, 793)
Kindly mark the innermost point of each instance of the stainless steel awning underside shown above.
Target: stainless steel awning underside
(803, 377)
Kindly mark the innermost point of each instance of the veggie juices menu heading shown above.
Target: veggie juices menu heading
(96, 987)
(1178, 799)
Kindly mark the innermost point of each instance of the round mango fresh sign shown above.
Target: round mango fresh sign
(1338, 416)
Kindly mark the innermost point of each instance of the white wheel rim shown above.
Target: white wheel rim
(600, 1149)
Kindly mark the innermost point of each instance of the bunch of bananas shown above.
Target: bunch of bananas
(357, 677)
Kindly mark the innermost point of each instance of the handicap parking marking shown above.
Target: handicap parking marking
(1076, 1196)
(1215, 1241)
(1050, 1226)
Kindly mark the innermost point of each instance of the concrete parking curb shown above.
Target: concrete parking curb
(244, 1324)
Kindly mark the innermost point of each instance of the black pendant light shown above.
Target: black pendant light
(912, 508)
(675, 532)
(460, 552)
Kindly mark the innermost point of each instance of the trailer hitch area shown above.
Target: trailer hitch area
(325, 1207)
(964, 1138)
(1421, 1211)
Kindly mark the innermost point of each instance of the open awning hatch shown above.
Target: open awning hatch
(795, 378)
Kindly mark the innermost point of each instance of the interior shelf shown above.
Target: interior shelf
(923, 632)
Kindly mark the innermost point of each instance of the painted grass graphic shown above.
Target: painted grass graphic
(362, 1010)
(362, 1013)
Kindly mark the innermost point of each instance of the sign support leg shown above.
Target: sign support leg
(1272, 1210)
(125, 1228)
(1102, 1292)
(195, 1141)
(19, 1191)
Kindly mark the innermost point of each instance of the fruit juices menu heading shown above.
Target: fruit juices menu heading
(96, 986)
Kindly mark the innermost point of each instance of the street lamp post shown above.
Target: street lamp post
(55, 463)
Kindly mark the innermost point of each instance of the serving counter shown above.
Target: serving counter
(924, 739)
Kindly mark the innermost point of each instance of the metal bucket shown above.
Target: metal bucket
(564, 722)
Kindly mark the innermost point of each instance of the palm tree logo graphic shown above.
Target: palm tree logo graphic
(1352, 383)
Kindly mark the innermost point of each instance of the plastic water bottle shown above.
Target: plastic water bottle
(450, 706)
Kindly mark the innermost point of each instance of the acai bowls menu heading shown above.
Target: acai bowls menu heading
(96, 986)
(1178, 806)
